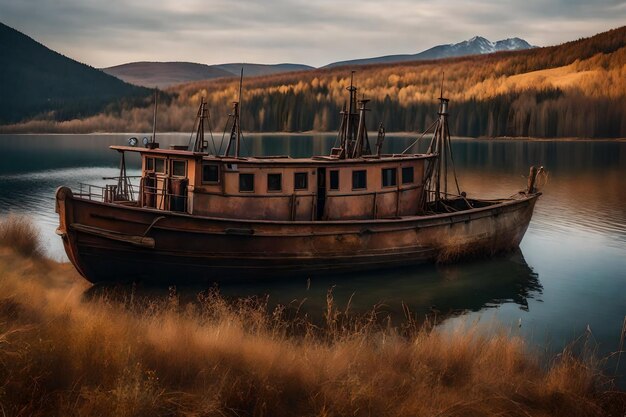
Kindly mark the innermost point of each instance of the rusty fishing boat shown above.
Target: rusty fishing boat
(198, 216)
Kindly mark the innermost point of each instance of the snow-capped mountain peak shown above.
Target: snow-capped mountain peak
(511, 44)
(480, 45)
(473, 46)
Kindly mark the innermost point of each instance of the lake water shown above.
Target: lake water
(569, 275)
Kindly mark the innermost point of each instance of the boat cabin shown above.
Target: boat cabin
(281, 188)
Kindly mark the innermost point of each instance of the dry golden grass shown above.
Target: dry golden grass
(62, 354)
(19, 233)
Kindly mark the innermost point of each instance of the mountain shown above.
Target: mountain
(512, 44)
(35, 80)
(474, 46)
(166, 74)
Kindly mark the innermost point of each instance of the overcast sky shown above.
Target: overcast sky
(315, 32)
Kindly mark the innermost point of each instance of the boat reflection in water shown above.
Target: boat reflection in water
(429, 290)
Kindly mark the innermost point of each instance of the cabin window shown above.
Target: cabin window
(407, 175)
(210, 173)
(334, 180)
(246, 183)
(159, 165)
(359, 179)
(274, 182)
(149, 164)
(389, 177)
(301, 181)
(179, 168)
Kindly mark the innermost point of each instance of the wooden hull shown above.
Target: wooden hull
(117, 243)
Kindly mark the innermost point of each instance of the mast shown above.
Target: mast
(200, 145)
(123, 191)
(441, 146)
(235, 132)
(237, 112)
(350, 122)
(361, 145)
(342, 125)
(353, 139)
(154, 120)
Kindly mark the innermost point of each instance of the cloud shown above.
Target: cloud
(104, 33)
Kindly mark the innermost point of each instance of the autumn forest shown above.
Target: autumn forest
(577, 89)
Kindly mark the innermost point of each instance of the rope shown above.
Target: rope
(208, 119)
(243, 142)
(456, 181)
(197, 120)
(420, 138)
(224, 135)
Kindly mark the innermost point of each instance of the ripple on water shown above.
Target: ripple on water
(32, 194)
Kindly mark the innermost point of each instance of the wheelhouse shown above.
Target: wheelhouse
(281, 188)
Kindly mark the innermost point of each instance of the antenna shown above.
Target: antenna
(235, 132)
(240, 83)
(154, 120)
(238, 116)
(441, 91)
(350, 122)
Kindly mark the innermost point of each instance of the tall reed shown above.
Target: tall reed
(19, 233)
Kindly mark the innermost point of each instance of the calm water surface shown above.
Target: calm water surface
(570, 272)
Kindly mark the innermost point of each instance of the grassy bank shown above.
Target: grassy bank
(62, 354)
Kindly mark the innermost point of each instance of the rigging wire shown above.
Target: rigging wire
(456, 180)
(208, 119)
(196, 125)
(243, 142)
(421, 136)
(193, 129)
(224, 134)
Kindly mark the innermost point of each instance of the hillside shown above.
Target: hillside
(577, 89)
(253, 70)
(474, 46)
(167, 74)
(164, 74)
(35, 80)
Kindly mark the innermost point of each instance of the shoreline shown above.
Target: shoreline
(317, 133)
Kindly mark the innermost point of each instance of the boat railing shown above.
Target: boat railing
(109, 193)
(142, 195)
